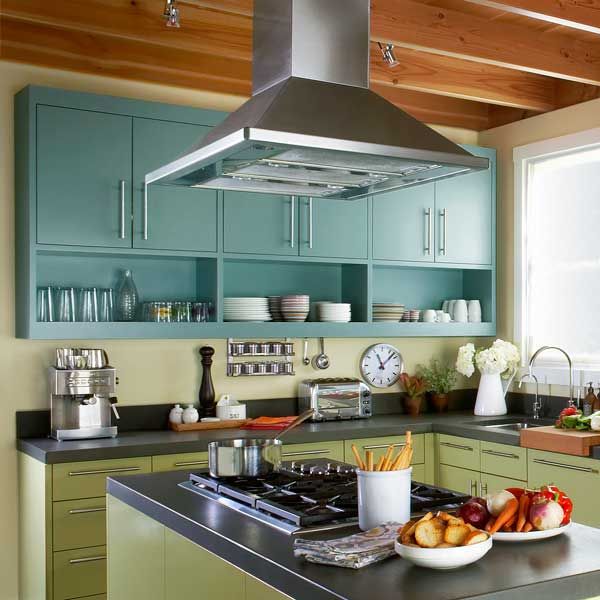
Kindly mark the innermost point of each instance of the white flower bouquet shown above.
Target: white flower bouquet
(501, 357)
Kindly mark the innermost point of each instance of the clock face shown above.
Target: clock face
(381, 365)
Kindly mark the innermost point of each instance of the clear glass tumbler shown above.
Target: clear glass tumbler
(106, 305)
(65, 311)
(88, 305)
(45, 304)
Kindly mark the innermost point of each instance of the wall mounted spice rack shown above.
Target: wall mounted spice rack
(280, 354)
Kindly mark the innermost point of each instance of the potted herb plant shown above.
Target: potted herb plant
(415, 387)
(440, 380)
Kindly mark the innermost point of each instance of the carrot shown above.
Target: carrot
(506, 515)
(523, 511)
(510, 524)
(528, 527)
(490, 524)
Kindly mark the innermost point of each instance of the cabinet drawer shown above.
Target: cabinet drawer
(460, 480)
(494, 483)
(180, 462)
(79, 523)
(459, 452)
(79, 573)
(379, 445)
(332, 450)
(88, 479)
(504, 460)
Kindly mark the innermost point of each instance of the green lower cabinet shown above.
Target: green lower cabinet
(299, 452)
(136, 554)
(457, 479)
(379, 446)
(257, 590)
(495, 483)
(459, 452)
(80, 572)
(79, 523)
(504, 460)
(180, 462)
(212, 577)
(579, 477)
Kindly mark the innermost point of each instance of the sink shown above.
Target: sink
(508, 424)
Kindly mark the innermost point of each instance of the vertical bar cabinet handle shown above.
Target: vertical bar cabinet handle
(145, 213)
(427, 248)
(122, 210)
(292, 219)
(310, 222)
(444, 215)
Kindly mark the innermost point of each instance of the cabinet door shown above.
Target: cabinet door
(493, 483)
(403, 224)
(83, 178)
(579, 477)
(333, 228)
(260, 223)
(460, 480)
(178, 218)
(459, 452)
(504, 460)
(463, 215)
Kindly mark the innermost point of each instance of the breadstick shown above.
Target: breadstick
(379, 466)
(369, 454)
(388, 458)
(399, 459)
(359, 460)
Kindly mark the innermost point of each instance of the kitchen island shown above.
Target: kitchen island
(166, 526)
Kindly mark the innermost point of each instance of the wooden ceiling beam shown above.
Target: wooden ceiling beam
(577, 14)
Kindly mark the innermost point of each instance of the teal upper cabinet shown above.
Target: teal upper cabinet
(175, 218)
(260, 223)
(83, 177)
(403, 224)
(333, 228)
(464, 208)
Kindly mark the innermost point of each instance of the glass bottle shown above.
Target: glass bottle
(127, 298)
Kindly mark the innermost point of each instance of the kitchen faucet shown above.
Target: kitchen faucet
(543, 349)
(537, 403)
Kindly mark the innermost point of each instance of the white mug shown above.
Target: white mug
(445, 305)
(429, 316)
(461, 313)
(451, 305)
(474, 309)
(445, 318)
(439, 314)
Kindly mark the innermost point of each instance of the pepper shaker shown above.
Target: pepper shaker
(207, 390)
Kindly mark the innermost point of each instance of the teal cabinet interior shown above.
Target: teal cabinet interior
(72, 152)
(174, 218)
(403, 227)
(83, 178)
(464, 209)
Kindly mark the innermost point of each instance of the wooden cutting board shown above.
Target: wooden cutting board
(226, 424)
(566, 441)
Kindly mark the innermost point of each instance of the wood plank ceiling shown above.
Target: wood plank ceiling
(465, 63)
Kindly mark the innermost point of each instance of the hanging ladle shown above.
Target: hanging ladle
(321, 360)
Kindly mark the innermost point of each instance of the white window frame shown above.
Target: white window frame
(523, 156)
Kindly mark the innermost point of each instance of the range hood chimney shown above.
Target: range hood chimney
(312, 126)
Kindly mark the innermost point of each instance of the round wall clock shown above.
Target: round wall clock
(381, 365)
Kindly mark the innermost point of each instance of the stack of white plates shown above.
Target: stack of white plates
(387, 311)
(246, 309)
(334, 312)
(295, 308)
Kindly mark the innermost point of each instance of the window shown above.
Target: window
(557, 249)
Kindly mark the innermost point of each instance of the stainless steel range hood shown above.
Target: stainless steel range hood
(312, 127)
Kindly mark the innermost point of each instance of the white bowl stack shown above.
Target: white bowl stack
(295, 307)
(387, 311)
(246, 309)
(275, 308)
(334, 312)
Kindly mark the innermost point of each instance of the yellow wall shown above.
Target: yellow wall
(149, 371)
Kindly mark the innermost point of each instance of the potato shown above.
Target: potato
(429, 534)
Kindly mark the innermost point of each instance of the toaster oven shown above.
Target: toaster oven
(335, 398)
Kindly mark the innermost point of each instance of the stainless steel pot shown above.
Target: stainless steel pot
(252, 457)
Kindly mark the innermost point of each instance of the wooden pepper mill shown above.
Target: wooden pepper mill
(207, 390)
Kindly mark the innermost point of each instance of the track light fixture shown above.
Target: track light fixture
(171, 13)
(387, 51)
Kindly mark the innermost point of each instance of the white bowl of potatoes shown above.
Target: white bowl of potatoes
(442, 541)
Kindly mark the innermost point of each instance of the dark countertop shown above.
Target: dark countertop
(567, 566)
(146, 443)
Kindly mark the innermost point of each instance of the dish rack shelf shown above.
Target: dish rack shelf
(280, 353)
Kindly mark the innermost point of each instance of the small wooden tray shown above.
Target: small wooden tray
(567, 441)
(199, 426)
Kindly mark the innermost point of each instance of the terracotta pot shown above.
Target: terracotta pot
(439, 402)
(412, 405)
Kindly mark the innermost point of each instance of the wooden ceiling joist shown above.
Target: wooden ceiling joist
(577, 14)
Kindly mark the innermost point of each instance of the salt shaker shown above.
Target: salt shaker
(176, 414)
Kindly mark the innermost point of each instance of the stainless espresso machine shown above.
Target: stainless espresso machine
(82, 400)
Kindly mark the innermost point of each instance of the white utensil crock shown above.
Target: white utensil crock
(383, 496)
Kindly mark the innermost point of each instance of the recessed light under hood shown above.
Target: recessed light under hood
(312, 126)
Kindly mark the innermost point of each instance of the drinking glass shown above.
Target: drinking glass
(45, 304)
(106, 311)
(88, 305)
(200, 312)
(65, 305)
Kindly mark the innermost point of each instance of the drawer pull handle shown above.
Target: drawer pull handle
(101, 471)
(305, 453)
(457, 446)
(378, 446)
(551, 463)
(77, 561)
(502, 454)
(82, 511)
(189, 463)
